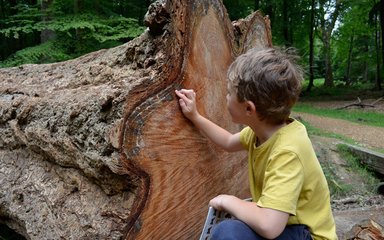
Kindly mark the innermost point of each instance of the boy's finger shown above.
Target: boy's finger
(186, 96)
(188, 92)
(182, 103)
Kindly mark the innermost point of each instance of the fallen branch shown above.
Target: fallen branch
(377, 100)
(359, 104)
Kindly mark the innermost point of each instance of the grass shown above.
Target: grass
(354, 165)
(320, 132)
(341, 92)
(337, 187)
(365, 118)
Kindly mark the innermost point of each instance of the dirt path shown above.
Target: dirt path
(358, 207)
(364, 135)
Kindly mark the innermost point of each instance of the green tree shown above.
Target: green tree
(75, 27)
(378, 10)
(329, 13)
(354, 44)
(311, 45)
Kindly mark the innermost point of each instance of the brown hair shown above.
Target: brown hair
(269, 78)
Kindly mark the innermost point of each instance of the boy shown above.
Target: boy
(289, 191)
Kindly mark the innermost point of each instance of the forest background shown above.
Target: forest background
(340, 42)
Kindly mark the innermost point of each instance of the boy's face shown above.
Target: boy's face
(235, 108)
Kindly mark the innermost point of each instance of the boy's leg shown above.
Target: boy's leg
(236, 229)
(233, 229)
(295, 232)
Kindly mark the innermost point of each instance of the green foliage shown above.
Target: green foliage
(355, 34)
(82, 26)
(77, 27)
(92, 26)
(48, 52)
(239, 9)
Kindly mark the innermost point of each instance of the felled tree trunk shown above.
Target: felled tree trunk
(97, 147)
(366, 230)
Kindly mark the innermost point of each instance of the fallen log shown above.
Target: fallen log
(366, 230)
(373, 160)
(97, 148)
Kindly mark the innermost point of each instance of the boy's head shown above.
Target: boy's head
(270, 79)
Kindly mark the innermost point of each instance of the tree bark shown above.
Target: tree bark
(97, 147)
(311, 47)
(381, 9)
(46, 34)
(286, 24)
(349, 61)
(327, 26)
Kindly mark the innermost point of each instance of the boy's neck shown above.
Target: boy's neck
(264, 131)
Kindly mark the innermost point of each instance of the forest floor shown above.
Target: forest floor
(359, 204)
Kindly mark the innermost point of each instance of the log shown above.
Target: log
(97, 147)
(366, 230)
(373, 160)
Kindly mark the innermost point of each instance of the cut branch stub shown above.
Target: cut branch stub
(97, 147)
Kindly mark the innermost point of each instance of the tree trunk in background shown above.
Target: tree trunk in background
(269, 10)
(381, 9)
(3, 52)
(311, 47)
(2, 5)
(349, 62)
(327, 26)
(365, 63)
(377, 46)
(97, 147)
(46, 34)
(286, 24)
(257, 5)
(328, 82)
(13, 4)
(375, 12)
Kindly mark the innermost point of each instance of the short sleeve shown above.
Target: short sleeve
(247, 137)
(283, 182)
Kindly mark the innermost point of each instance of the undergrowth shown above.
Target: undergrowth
(337, 186)
(370, 181)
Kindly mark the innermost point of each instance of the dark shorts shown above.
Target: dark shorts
(236, 229)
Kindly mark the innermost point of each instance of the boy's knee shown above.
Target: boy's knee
(233, 229)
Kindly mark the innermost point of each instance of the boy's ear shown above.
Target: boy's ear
(250, 108)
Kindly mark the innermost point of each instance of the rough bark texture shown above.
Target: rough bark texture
(366, 230)
(97, 147)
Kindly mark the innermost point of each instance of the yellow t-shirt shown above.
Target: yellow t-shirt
(285, 175)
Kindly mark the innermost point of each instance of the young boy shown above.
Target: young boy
(290, 194)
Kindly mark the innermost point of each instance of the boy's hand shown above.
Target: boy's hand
(219, 202)
(187, 103)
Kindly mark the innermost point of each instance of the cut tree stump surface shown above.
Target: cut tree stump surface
(97, 147)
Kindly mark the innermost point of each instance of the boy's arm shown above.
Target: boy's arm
(268, 223)
(221, 137)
